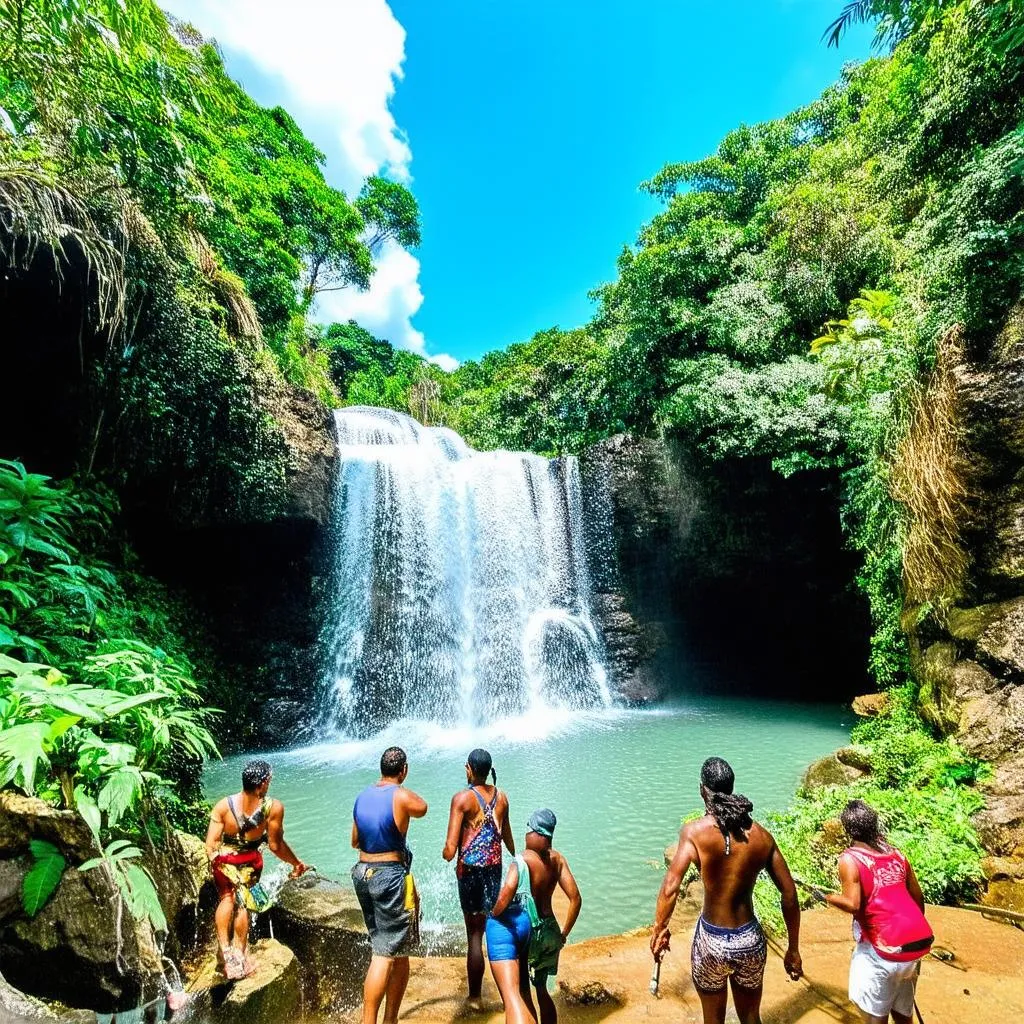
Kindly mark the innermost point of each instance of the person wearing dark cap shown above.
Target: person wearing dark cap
(477, 825)
(730, 850)
(524, 939)
(239, 826)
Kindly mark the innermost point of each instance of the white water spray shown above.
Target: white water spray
(460, 590)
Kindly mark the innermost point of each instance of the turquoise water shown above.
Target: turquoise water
(619, 781)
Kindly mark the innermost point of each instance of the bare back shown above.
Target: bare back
(728, 878)
(544, 875)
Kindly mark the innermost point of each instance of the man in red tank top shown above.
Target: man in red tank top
(890, 929)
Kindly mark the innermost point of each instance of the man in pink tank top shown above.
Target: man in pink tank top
(890, 929)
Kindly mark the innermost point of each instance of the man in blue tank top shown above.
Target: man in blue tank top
(383, 883)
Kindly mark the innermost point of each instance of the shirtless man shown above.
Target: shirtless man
(239, 826)
(477, 826)
(730, 850)
(514, 948)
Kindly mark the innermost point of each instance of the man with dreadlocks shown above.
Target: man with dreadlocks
(239, 826)
(730, 850)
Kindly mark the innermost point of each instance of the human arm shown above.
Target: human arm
(914, 887)
(568, 885)
(778, 871)
(508, 890)
(415, 806)
(355, 836)
(506, 829)
(849, 899)
(686, 854)
(214, 831)
(276, 841)
(455, 816)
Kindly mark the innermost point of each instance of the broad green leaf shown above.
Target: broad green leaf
(119, 707)
(121, 790)
(89, 810)
(43, 877)
(22, 748)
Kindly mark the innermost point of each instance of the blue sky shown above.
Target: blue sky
(524, 128)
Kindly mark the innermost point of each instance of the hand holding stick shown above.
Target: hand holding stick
(656, 977)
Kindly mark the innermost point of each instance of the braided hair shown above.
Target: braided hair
(479, 761)
(731, 811)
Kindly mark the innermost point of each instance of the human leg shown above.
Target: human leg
(901, 1018)
(475, 952)
(747, 1002)
(241, 929)
(506, 977)
(713, 1005)
(223, 917)
(396, 988)
(375, 986)
(545, 1004)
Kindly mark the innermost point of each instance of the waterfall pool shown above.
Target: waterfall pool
(620, 782)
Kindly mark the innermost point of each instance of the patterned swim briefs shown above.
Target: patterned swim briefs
(720, 953)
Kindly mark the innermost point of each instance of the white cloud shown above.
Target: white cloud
(445, 361)
(334, 66)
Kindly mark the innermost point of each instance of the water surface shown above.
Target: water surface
(619, 781)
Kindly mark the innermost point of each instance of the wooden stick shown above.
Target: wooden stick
(980, 908)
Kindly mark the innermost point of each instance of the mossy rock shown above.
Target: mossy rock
(829, 771)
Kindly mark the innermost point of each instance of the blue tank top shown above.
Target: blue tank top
(375, 821)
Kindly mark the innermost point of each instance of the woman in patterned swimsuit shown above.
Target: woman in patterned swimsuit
(477, 826)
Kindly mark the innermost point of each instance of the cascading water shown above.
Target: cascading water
(460, 589)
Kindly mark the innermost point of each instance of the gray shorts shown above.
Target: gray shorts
(381, 891)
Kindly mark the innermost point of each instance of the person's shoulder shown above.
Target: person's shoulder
(275, 808)
(219, 808)
(695, 829)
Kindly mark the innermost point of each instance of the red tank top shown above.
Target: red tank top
(889, 918)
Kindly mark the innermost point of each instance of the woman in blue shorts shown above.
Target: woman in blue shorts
(508, 942)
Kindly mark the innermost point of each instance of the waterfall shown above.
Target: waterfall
(460, 590)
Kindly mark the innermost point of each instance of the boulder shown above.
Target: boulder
(273, 995)
(23, 818)
(1006, 894)
(830, 771)
(322, 922)
(1000, 824)
(79, 950)
(868, 705)
(181, 872)
(18, 1008)
(991, 725)
(855, 756)
(589, 993)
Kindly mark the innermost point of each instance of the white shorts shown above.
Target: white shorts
(878, 986)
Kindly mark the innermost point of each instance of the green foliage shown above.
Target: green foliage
(922, 788)
(43, 877)
(98, 726)
(134, 883)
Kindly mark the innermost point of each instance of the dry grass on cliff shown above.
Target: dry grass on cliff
(931, 479)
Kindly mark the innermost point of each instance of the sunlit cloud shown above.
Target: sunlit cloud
(335, 68)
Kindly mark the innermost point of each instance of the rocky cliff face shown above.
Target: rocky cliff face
(970, 659)
(703, 576)
(258, 584)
